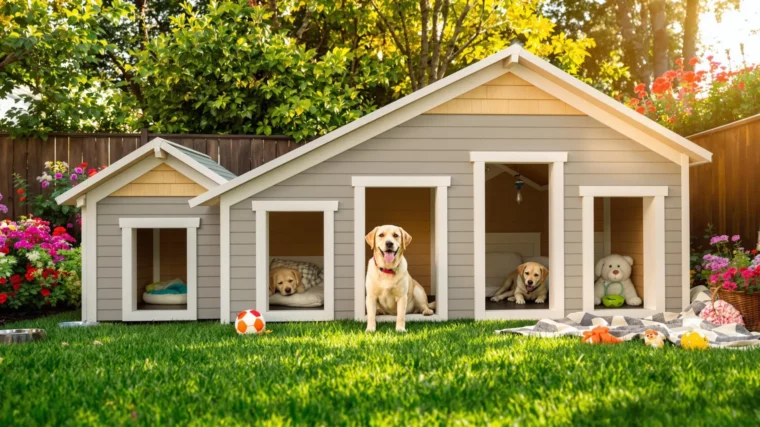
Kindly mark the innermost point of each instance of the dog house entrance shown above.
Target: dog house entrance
(517, 230)
(161, 269)
(296, 261)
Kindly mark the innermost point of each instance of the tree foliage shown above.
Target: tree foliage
(294, 67)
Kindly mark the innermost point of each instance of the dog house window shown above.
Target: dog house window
(634, 233)
(159, 268)
(419, 205)
(508, 234)
(295, 259)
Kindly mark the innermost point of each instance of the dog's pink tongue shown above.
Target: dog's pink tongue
(389, 256)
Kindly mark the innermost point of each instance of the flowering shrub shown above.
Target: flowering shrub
(33, 264)
(689, 102)
(730, 266)
(58, 177)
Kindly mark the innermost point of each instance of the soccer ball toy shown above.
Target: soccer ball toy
(249, 322)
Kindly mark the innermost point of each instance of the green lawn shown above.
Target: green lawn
(333, 374)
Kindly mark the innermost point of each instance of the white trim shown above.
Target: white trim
(524, 157)
(525, 179)
(622, 191)
(607, 213)
(440, 184)
(262, 209)
(180, 222)
(156, 255)
(81, 201)
(295, 205)
(654, 251)
(543, 75)
(224, 263)
(685, 233)
(400, 181)
(129, 297)
(89, 262)
(556, 162)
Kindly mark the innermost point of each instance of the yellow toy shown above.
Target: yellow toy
(694, 340)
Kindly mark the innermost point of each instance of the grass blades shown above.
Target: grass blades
(333, 373)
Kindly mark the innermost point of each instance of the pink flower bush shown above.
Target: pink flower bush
(731, 267)
(31, 255)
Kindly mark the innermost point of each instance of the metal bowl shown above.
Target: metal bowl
(16, 336)
(77, 324)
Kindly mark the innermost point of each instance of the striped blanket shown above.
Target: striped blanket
(672, 325)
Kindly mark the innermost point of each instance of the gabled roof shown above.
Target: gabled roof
(513, 59)
(158, 147)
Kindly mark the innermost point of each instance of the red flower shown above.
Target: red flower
(670, 74)
(59, 231)
(661, 84)
(641, 87)
(16, 287)
(30, 274)
(689, 77)
(3, 298)
(45, 292)
(693, 61)
(3, 281)
(20, 191)
(83, 165)
(22, 199)
(640, 109)
(15, 279)
(753, 251)
(742, 86)
(91, 172)
(679, 61)
(5, 250)
(634, 101)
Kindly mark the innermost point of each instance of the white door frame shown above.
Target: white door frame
(129, 311)
(441, 261)
(556, 161)
(654, 246)
(262, 209)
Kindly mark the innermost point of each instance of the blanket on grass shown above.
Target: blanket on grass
(672, 325)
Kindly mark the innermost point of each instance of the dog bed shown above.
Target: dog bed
(313, 297)
(311, 275)
(168, 292)
(164, 299)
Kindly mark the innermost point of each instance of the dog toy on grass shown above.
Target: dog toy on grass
(600, 335)
(250, 322)
(653, 338)
(694, 340)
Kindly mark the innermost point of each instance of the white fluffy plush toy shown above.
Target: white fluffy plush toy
(614, 272)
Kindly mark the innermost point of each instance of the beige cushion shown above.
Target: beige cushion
(313, 297)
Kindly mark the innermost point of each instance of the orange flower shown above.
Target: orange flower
(693, 61)
(634, 101)
(641, 87)
(689, 77)
(742, 86)
(679, 61)
(670, 74)
(640, 109)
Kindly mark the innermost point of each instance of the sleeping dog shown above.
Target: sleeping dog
(285, 280)
(528, 282)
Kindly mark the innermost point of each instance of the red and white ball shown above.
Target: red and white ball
(249, 322)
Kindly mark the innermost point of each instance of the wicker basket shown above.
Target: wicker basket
(748, 305)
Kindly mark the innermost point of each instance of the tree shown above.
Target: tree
(660, 44)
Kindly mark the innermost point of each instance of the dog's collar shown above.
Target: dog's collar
(384, 270)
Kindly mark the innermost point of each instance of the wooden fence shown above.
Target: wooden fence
(27, 157)
(726, 192)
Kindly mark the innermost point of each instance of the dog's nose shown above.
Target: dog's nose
(287, 290)
(389, 244)
(615, 271)
(530, 282)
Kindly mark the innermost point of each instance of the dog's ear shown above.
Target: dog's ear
(544, 272)
(598, 268)
(628, 259)
(272, 286)
(406, 238)
(521, 269)
(370, 238)
(299, 282)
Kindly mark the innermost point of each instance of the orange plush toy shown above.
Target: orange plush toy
(600, 335)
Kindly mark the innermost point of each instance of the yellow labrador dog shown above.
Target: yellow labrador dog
(390, 288)
(285, 280)
(528, 282)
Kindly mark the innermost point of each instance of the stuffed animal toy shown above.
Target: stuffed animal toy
(653, 338)
(614, 272)
(694, 340)
(600, 335)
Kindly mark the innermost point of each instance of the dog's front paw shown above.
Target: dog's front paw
(496, 299)
(512, 299)
(520, 300)
(597, 301)
(540, 300)
(633, 301)
(427, 312)
(370, 329)
(401, 330)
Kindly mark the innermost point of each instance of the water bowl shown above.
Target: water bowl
(77, 324)
(17, 336)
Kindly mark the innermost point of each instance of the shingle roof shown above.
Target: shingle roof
(206, 161)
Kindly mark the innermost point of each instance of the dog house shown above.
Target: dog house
(148, 256)
(444, 162)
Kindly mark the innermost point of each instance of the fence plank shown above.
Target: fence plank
(20, 154)
(76, 150)
(6, 175)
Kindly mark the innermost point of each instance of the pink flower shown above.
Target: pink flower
(58, 175)
(736, 238)
(714, 279)
(73, 177)
(45, 184)
(729, 286)
(747, 274)
(78, 170)
(727, 275)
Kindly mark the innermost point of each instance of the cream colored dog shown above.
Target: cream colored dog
(286, 280)
(528, 282)
(390, 288)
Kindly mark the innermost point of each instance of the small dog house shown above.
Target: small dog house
(447, 163)
(139, 232)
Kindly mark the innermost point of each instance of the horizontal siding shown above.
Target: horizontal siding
(440, 145)
(111, 209)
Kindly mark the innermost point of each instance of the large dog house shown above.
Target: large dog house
(598, 178)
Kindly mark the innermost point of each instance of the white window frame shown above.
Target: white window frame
(440, 184)
(654, 246)
(556, 161)
(262, 208)
(129, 226)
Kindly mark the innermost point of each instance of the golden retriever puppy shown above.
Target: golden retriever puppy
(390, 288)
(285, 280)
(528, 282)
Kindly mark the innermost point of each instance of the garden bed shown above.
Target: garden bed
(334, 373)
